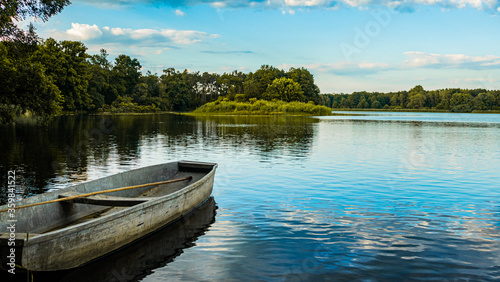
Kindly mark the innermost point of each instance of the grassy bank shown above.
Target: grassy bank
(261, 107)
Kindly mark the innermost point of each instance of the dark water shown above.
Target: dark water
(385, 196)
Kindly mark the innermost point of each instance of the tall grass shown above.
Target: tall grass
(261, 107)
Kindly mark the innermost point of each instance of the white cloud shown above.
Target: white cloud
(479, 80)
(187, 36)
(115, 31)
(218, 4)
(179, 13)
(83, 31)
(489, 83)
(305, 3)
(421, 59)
(344, 67)
(146, 36)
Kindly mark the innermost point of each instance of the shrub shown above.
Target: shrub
(240, 97)
(126, 105)
(262, 107)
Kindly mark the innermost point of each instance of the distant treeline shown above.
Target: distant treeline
(50, 77)
(452, 100)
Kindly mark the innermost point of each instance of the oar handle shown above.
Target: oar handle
(100, 192)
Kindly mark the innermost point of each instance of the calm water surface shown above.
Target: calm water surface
(377, 197)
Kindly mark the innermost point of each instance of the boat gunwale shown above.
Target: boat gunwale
(71, 187)
(42, 237)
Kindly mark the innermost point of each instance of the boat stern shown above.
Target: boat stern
(11, 250)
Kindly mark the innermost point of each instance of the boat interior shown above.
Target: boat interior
(54, 216)
(112, 204)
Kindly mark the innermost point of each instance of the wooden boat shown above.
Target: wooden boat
(70, 233)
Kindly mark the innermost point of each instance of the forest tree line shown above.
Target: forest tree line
(48, 77)
(450, 100)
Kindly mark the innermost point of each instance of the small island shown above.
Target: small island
(261, 107)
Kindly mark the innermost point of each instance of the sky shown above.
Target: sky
(348, 45)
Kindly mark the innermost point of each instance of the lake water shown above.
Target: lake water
(375, 197)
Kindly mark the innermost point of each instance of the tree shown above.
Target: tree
(209, 86)
(376, 105)
(99, 89)
(352, 101)
(461, 102)
(25, 85)
(125, 75)
(251, 87)
(231, 83)
(66, 63)
(256, 83)
(417, 97)
(399, 99)
(284, 89)
(306, 82)
(19, 10)
(175, 89)
(153, 83)
(363, 104)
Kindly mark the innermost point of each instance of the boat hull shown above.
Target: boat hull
(76, 245)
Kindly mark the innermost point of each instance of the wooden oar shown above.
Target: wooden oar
(101, 192)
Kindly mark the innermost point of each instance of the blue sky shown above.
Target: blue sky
(349, 45)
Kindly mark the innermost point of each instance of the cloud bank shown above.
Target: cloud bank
(407, 5)
(415, 60)
(150, 37)
(420, 59)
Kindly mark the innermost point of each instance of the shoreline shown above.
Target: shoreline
(276, 114)
(334, 113)
(412, 111)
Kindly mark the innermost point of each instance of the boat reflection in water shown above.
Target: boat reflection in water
(137, 260)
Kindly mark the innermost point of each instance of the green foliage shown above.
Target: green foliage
(125, 75)
(64, 76)
(363, 104)
(376, 105)
(231, 83)
(306, 81)
(268, 83)
(256, 83)
(418, 99)
(261, 107)
(241, 97)
(127, 105)
(175, 89)
(25, 84)
(284, 89)
(46, 77)
(36, 91)
(66, 63)
(12, 11)
(99, 87)
(461, 103)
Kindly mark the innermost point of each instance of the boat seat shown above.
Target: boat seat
(103, 200)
